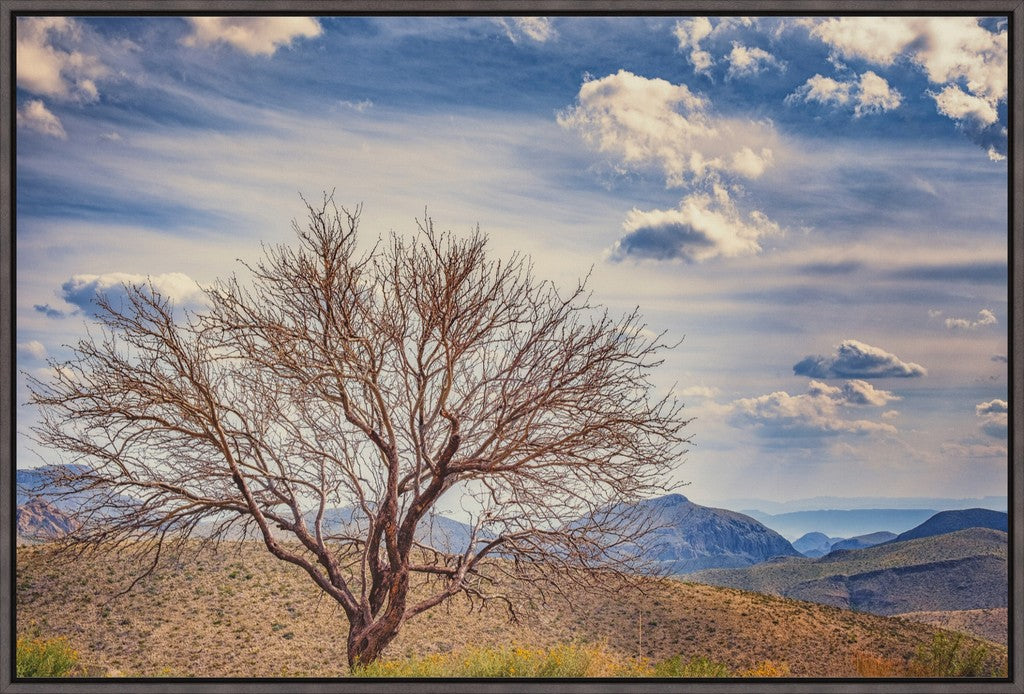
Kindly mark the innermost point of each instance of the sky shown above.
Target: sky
(816, 207)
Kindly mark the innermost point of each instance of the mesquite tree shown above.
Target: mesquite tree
(374, 382)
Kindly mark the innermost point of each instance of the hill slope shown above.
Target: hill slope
(863, 541)
(956, 571)
(695, 537)
(951, 521)
(242, 613)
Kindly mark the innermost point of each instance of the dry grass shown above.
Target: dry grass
(990, 624)
(242, 613)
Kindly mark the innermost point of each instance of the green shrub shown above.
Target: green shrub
(947, 656)
(44, 658)
(694, 667)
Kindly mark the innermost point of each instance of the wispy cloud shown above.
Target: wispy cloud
(854, 359)
(33, 349)
(539, 29)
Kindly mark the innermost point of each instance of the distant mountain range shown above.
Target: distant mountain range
(841, 503)
(843, 523)
(946, 564)
(817, 544)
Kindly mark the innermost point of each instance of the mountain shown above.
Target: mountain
(442, 533)
(39, 520)
(815, 544)
(862, 541)
(996, 503)
(951, 521)
(691, 537)
(962, 570)
(843, 523)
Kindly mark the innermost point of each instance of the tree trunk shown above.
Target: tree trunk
(366, 644)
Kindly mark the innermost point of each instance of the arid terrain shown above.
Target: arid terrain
(239, 612)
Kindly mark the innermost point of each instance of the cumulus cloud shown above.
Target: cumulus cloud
(33, 349)
(652, 124)
(701, 228)
(252, 35)
(692, 31)
(968, 60)
(35, 116)
(818, 412)
(995, 417)
(746, 61)
(870, 93)
(854, 359)
(985, 317)
(81, 290)
(52, 62)
(539, 29)
(689, 33)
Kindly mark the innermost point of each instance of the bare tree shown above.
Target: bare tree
(376, 382)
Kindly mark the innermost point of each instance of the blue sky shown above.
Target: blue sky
(817, 206)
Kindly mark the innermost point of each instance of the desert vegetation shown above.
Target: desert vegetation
(235, 611)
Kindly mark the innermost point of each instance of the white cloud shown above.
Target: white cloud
(68, 72)
(855, 359)
(874, 95)
(985, 317)
(178, 287)
(689, 33)
(955, 103)
(815, 413)
(692, 31)
(35, 116)
(252, 35)
(539, 29)
(745, 61)
(956, 52)
(700, 392)
(701, 228)
(33, 348)
(995, 416)
(870, 93)
(652, 122)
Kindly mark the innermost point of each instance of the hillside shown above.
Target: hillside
(243, 613)
(693, 537)
(991, 624)
(38, 519)
(864, 541)
(951, 521)
(957, 571)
